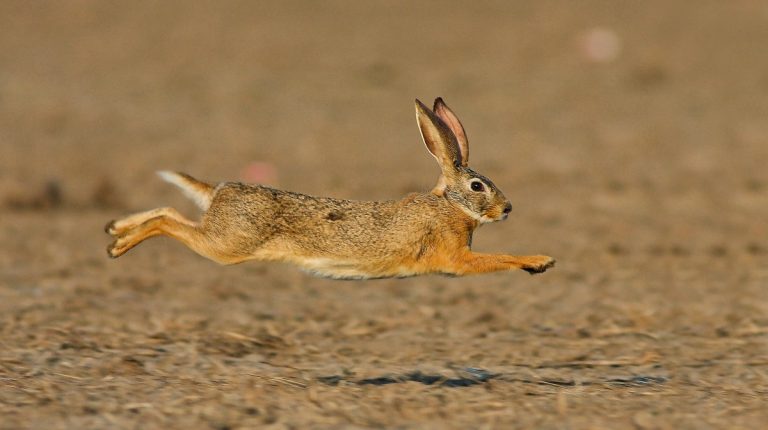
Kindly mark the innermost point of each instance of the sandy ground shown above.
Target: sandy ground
(632, 140)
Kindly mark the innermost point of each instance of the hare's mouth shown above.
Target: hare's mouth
(500, 217)
(484, 219)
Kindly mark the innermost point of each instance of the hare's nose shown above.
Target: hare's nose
(508, 208)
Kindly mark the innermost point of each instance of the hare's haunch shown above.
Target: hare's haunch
(344, 239)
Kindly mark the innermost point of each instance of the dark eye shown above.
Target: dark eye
(477, 186)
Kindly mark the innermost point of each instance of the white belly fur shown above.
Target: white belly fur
(339, 269)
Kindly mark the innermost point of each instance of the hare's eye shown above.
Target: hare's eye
(477, 186)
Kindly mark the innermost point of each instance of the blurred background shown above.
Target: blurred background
(631, 138)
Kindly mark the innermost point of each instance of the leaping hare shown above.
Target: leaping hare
(344, 239)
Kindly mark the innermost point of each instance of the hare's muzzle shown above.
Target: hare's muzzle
(505, 212)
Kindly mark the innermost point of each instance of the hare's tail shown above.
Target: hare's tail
(200, 192)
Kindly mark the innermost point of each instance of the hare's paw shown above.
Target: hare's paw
(113, 250)
(110, 228)
(117, 228)
(538, 264)
(118, 247)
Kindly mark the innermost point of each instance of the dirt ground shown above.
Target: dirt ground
(630, 136)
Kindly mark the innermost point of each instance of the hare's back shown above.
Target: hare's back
(265, 212)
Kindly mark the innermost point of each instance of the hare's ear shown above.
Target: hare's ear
(439, 139)
(452, 121)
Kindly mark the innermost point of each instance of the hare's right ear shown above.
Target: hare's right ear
(452, 121)
(439, 139)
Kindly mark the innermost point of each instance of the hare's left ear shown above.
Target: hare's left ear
(440, 141)
(452, 121)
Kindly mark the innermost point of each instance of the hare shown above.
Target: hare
(422, 233)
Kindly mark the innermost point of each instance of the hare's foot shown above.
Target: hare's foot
(120, 245)
(117, 248)
(121, 226)
(134, 229)
(127, 239)
(110, 228)
(538, 264)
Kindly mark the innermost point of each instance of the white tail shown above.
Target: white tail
(200, 192)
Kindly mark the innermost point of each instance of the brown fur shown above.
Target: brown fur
(420, 234)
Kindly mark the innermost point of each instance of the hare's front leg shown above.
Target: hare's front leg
(471, 263)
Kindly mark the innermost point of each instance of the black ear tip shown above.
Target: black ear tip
(438, 102)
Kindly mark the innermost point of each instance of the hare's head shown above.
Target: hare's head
(445, 138)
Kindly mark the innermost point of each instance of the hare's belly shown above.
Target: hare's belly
(349, 269)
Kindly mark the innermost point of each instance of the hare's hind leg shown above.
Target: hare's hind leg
(471, 263)
(134, 229)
